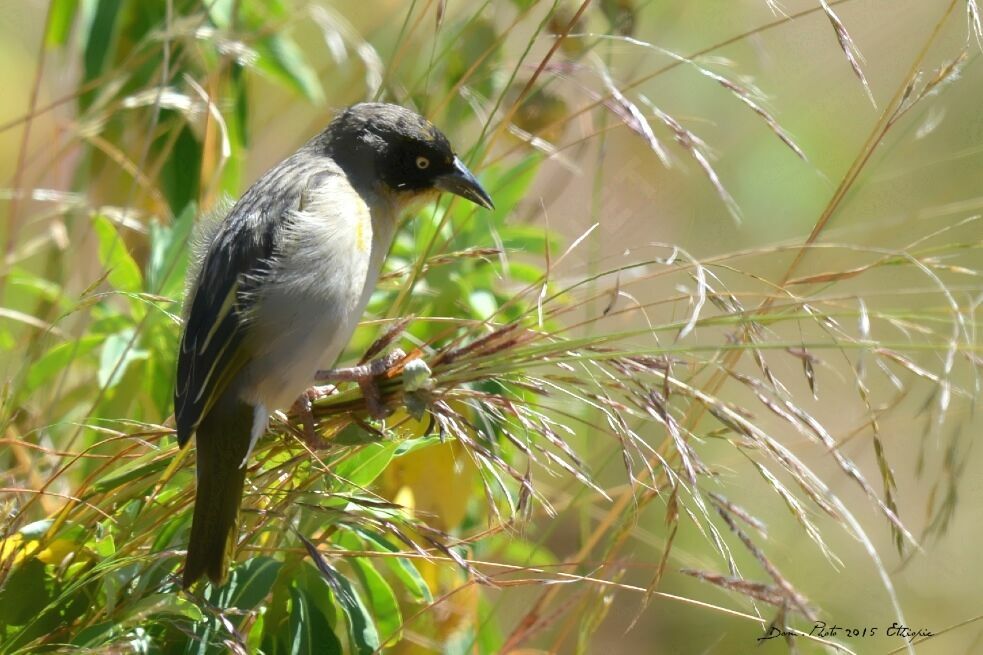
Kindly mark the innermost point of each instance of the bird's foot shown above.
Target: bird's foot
(302, 408)
(366, 376)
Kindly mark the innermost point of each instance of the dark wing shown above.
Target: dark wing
(211, 348)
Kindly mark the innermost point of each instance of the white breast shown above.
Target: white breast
(331, 255)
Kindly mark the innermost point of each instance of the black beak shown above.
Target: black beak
(461, 182)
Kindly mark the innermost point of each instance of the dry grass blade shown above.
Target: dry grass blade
(810, 427)
(747, 95)
(975, 23)
(789, 595)
(771, 594)
(632, 116)
(339, 34)
(699, 152)
(391, 335)
(849, 48)
(916, 91)
(724, 505)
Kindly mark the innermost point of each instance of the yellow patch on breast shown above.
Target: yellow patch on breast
(363, 231)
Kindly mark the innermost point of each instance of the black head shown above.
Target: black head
(388, 145)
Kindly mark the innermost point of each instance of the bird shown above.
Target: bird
(277, 287)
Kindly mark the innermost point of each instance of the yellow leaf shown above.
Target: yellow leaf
(56, 551)
(11, 544)
(437, 481)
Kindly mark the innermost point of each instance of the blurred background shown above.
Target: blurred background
(727, 130)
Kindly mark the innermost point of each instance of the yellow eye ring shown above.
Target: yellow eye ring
(422, 162)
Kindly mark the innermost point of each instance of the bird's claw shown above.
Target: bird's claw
(365, 375)
(302, 408)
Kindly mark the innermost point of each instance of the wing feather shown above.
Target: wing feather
(212, 345)
(239, 254)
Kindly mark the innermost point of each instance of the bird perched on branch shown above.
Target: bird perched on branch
(281, 284)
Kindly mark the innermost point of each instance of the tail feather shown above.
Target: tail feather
(222, 440)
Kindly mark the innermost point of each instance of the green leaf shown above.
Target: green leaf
(220, 12)
(310, 631)
(61, 15)
(58, 357)
(166, 534)
(490, 638)
(254, 638)
(508, 186)
(259, 14)
(98, 36)
(104, 547)
(248, 584)
(402, 567)
(180, 177)
(38, 287)
(361, 630)
(483, 303)
(25, 593)
(354, 434)
(282, 59)
(94, 635)
(124, 274)
(523, 272)
(367, 464)
(138, 469)
(407, 446)
(168, 253)
(117, 354)
(158, 604)
(385, 607)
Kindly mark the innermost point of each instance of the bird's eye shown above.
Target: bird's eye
(422, 162)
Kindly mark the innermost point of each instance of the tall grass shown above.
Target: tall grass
(545, 379)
